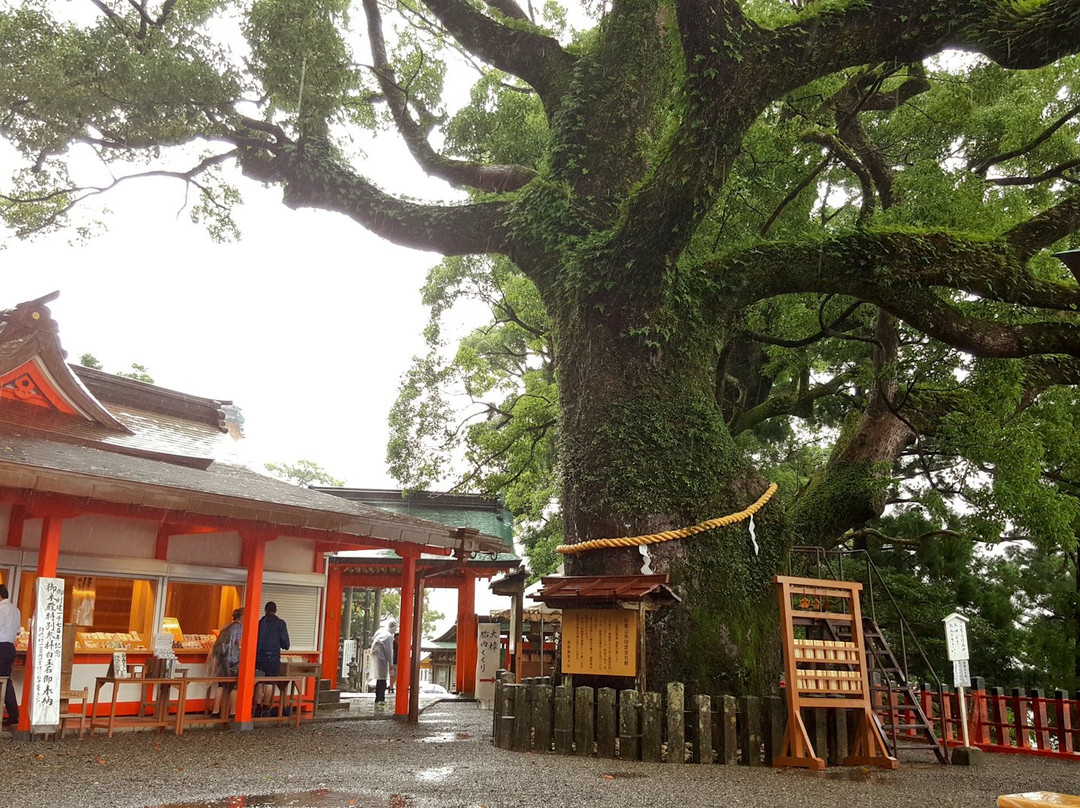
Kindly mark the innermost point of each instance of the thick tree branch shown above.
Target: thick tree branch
(1045, 228)
(534, 58)
(481, 177)
(312, 178)
(901, 273)
(886, 31)
(796, 403)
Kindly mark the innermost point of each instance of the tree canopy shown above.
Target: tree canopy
(716, 231)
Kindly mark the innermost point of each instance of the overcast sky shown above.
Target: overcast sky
(307, 323)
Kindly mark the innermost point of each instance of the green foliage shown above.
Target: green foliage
(303, 472)
(501, 375)
(390, 605)
(138, 372)
(88, 360)
(702, 268)
(301, 59)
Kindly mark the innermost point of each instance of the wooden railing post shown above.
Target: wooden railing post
(775, 709)
(676, 723)
(838, 737)
(999, 716)
(605, 722)
(1063, 721)
(725, 737)
(543, 716)
(1019, 722)
(652, 728)
(506, 720)
(1039, 719)
(564, 720)
(523, 714)
(750, 731)
(629, 726)
(584, 722)
(702, 724)
(979, 729)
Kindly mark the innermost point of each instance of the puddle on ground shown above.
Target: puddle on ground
(322, 798)
(442, 737)
(435, 775)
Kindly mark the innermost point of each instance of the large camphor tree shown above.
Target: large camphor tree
(730, 212)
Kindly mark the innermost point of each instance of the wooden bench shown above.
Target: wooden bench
(1038, 799)
(290, 691)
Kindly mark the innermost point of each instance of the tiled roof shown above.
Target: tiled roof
(565, 592)
(127, 444)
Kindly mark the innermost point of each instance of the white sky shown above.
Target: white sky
(307, 323)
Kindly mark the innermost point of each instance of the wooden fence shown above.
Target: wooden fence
(1017, 721)
(538, 716)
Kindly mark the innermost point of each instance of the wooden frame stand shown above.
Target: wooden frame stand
(826, 673)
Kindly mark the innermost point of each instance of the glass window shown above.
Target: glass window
(109, 613)
(195, 612)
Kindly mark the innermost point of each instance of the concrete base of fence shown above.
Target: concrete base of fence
(966, 756)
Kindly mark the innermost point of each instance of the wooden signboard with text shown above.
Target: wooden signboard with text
(601, 642)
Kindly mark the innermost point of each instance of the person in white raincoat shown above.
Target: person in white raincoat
(382, 657)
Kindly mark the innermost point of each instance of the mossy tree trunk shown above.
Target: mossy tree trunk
(645, 449)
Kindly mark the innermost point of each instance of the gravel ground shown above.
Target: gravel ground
(448, 760)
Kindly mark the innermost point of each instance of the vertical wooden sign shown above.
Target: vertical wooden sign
(488, 641)
(46, 644)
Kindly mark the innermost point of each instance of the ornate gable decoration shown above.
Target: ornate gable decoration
(33, 369)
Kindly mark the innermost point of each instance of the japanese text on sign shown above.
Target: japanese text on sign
(956, 637)
(488, 647)
(600, 641)
(46, 646)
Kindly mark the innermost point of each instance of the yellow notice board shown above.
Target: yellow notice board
(600, 641)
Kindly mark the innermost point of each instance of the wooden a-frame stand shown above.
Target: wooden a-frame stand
(826, 673)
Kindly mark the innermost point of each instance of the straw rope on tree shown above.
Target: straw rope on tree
(668, 535)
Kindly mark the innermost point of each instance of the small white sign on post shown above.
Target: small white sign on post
(956, 641)
(46, 647)
(956, 636)
(488, 645)
(961, 673)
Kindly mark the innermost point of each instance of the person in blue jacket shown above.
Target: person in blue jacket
(273, 639)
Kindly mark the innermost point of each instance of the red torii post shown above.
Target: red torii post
(332, 624)
(52, 520)
(409, 558)
(254, 561)
(465, 672)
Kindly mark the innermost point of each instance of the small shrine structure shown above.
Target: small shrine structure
(603, 621)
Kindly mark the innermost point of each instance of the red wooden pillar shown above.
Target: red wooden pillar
(48, 561)
(465, 673)
(331, 662)
(405, 622)
(254, 561)
(16, 520)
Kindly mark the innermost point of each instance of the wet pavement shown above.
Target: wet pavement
(447, 761)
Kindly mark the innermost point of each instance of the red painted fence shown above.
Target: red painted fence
(1027, 723)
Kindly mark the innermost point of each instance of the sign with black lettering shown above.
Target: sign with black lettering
(603, 642)
(46, 648)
